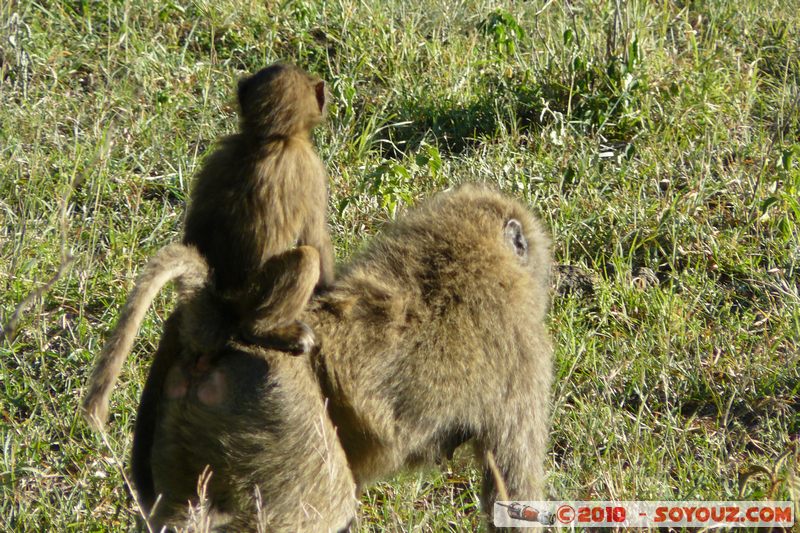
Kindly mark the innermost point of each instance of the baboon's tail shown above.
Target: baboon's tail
(170, 262)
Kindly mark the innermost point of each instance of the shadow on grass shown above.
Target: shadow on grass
(456, 128)
(604, 98)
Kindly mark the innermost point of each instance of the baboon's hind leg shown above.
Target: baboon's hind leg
(293, 276)
(518, 443)
(167, 354)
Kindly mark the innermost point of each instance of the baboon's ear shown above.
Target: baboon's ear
(516, 239)
(322, 99)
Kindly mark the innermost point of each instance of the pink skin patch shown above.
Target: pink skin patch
(211, 391)
(176, 385)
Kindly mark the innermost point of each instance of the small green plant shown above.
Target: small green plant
(605, 93)
(429, 159)
(394, 184)
(391, 185)
(504, 30)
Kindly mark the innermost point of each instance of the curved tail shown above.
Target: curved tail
(175, 261)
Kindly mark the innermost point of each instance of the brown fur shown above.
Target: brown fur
(436, 334)
(433, 336)
(199, 329)
(207, 320)
(171, 262)
(271, 392)
(203, 327)
(264, 189)
(260, 193)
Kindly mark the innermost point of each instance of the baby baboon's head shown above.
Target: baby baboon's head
(281, 100)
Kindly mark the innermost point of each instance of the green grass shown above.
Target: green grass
(659, 141)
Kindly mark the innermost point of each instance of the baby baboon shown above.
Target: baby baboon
(433, 336)
(264, 190)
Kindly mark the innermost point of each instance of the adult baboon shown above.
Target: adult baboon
(436, 335)
(433, 336)
(237, 432)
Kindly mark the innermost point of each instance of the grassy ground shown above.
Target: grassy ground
(659, 140)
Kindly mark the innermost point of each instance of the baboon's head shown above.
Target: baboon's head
(470, 244)
(475, 217)
(281, 99)
(501, 230)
